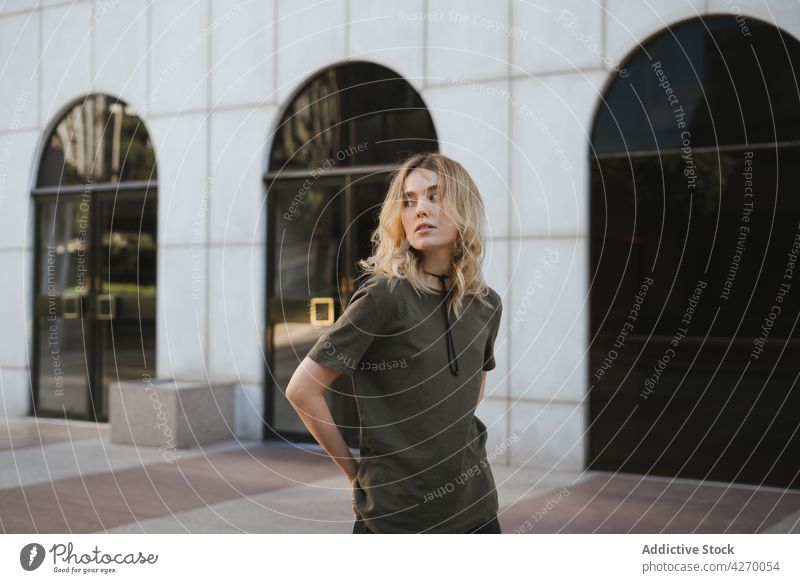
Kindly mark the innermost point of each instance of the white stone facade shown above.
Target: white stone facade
(512, 89)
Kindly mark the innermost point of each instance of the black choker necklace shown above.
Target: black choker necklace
(451, 349)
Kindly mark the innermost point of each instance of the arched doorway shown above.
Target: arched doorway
(694, 221)
(95, 258)
(341, 135)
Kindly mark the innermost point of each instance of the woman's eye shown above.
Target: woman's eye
(407, 202)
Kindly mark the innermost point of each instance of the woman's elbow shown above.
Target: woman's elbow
(295, 390)
(309, 379)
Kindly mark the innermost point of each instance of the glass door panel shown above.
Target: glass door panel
(317, 235)
(126, 299)
(94, 305)
(305, 251)
(62, 307)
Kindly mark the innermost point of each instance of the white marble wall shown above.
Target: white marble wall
(512, 87)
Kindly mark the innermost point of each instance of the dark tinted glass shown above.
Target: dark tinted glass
(352, 115)
(694, 249)
(682, 384)
(729, 87)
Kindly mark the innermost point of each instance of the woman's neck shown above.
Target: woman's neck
(431, 277)
(433, 267)
(436, 262)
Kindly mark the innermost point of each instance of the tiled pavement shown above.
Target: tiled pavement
(69, 477)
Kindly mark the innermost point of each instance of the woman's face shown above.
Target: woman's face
(427, 228)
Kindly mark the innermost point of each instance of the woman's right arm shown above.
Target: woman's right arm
(306, 393)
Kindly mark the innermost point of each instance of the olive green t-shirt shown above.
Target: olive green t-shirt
(423, 451)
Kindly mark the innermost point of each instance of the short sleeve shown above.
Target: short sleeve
(343, 344)
(494, 326)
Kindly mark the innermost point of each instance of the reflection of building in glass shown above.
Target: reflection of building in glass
(98, 139)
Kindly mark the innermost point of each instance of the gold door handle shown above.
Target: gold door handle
(71, 306)
(322, 311)
(111, 301)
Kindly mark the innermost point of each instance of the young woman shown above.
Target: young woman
(417, 337)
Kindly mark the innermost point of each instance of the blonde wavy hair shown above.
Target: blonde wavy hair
(394, 257)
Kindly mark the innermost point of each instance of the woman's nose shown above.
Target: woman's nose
(423, 207)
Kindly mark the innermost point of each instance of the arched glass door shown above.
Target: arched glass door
(95, 259)
(695, 220)
(338, 140)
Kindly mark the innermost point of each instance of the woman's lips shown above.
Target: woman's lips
(425, 229)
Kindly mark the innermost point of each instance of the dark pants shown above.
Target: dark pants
(492, 526)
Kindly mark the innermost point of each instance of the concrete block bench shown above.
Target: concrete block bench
(170, 414)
